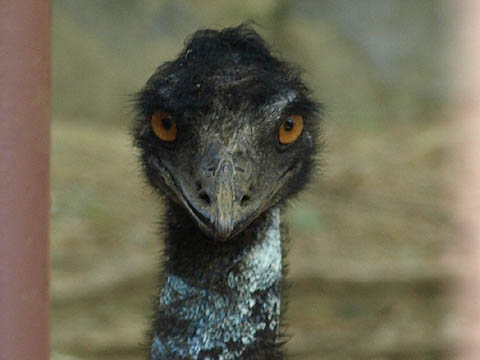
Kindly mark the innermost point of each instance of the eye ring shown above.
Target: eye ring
(290, 129)
(164, 126)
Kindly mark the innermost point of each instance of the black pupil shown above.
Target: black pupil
(167, 123)
(288, 125)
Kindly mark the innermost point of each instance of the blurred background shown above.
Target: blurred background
(367, 259)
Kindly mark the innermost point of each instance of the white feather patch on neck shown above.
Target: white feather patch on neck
(217, 319)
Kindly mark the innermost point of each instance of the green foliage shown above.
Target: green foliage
(103, 52)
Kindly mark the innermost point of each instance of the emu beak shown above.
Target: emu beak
(222, 206)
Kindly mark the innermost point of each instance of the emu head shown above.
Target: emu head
(226, 130)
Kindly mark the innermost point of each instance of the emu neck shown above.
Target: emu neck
(221, 300)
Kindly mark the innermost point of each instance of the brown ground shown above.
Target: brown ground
(367, 259)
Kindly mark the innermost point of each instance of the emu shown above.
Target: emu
(226, 133)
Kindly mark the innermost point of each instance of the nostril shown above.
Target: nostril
(244, 200)
(204, 197)
(198, 185)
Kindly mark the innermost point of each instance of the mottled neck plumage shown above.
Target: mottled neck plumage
(221, 301)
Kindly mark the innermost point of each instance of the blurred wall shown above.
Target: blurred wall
(366, 264)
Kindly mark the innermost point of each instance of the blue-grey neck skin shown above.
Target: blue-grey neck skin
(231, 309)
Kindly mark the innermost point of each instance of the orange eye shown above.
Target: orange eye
(164, 127)
(290, 129)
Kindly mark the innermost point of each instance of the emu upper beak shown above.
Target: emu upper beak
(226, 210)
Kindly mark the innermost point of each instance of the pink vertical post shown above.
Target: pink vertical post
(24, 179)
(466, 61)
